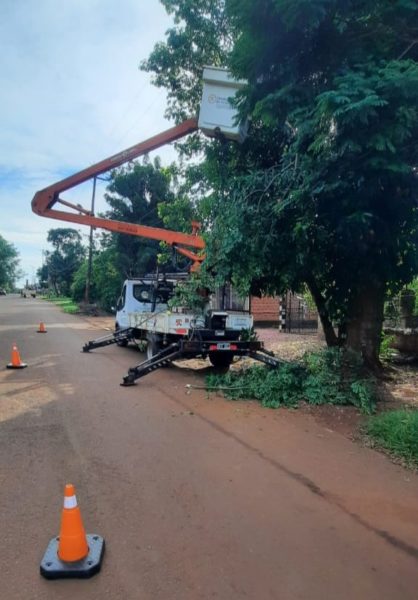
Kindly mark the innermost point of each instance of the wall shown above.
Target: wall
(265, 310)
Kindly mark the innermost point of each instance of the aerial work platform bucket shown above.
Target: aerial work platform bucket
(217, 113)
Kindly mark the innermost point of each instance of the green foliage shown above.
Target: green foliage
(386, 350)
(78, 286)
(414, 286)
(193, 293)
(249, 335)
(201, 36)
(176, 215)
(106, 280)
(62, 263)
(134, 194)
(9, 263)
(141, 193)
(307, 296)
(350, 139)
(331, 376)
(335, 376)
(323, 192)
(397, 431)
(273, 388)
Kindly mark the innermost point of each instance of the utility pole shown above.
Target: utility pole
(90, 257)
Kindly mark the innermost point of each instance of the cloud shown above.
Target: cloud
(71, 94)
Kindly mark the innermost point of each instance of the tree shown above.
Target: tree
(65, 259)
(138, 193)
(106, 279)
(9, 263)
(202, 35)
(325, 191)
(134, 194)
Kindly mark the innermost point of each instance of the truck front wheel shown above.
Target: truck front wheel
(120, 343)
(221, 360)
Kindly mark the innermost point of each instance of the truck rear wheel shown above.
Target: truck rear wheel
(154, 345)
(221, 360)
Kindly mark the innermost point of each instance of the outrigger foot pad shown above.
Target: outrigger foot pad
(128, 380)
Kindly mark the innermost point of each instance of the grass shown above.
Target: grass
(66, 304)
(397, 432)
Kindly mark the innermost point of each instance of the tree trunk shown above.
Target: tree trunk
(329, 331)
(364, 325)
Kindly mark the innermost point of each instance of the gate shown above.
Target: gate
(296, 316)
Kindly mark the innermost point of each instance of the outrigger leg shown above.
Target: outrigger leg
(191, 349)
(121, 335)
(161, 359)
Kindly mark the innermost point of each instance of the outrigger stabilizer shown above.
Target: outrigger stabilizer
(121, 336)
(183, 348)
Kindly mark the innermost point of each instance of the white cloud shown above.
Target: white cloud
(71, 94)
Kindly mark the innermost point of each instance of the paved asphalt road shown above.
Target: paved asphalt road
(197, 497)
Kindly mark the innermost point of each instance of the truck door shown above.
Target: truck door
(122, 320)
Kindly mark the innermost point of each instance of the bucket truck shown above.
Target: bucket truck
(142, 312)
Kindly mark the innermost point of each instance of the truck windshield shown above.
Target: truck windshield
(144, 293)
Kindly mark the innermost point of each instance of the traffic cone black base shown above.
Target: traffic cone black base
(54, 568)
(21, 366)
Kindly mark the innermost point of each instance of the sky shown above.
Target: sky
(71, 94)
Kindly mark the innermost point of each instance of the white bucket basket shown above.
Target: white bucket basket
(217, 115)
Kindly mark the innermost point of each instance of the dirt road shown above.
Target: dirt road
(197, 497)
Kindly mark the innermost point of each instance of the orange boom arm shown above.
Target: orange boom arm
(44, 200)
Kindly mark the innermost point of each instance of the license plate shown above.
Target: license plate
(223, 346)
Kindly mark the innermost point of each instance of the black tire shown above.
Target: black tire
(120, 343)
(221, 360)
(154, 345)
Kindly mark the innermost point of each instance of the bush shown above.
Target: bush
(106, 281)
(65, 304)
(78, 286)
(396, 431)
(330, 376)
(336, 376)
(273, 388)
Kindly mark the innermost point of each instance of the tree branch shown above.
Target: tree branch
(411, 45)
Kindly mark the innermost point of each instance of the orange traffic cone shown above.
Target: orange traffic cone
(73, 542)
(73, 553)
(15, 362)
(42, 328)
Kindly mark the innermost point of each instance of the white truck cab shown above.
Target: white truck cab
(141, 296)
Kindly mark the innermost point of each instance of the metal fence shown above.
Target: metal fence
(297, 316)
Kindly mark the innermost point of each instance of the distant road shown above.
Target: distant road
(197, 497)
